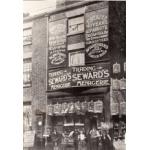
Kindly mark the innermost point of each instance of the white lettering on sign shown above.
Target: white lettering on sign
(57, 42)
(91, 75)
(96, 34)
(97, 50)
(93, 83)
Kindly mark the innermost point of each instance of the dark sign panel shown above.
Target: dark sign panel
(83, 76)
(59, 79)
(87, 76)
(57, 56)
(96, 35)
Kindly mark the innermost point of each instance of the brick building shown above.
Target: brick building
(74, 59)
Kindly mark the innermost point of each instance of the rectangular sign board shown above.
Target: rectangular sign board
(28, 138)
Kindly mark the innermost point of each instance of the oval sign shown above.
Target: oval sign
(57, 58)
(97, 50)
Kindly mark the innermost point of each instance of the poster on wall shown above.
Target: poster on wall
(57, 56)
(96, 35)
(28, 139)
(92, 75)
(59, 79)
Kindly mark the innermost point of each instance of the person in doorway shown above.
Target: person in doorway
(106, 141)
(55, 140)
(94, 135)
(100, 141)
(82, 142)
(75, 138)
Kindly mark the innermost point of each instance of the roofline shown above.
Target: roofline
(57, 10)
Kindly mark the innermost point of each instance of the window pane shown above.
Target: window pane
(27, 36)
(76, 58)
(76, 25)
(76, 42)
(27, 70)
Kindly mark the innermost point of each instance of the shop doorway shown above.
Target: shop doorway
(93, 122)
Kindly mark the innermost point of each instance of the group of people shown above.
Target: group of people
(94, 140)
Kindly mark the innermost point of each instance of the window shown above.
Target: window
(76, 58)
(27, 70)
(27, 36)
(76, 41)
(76, 25)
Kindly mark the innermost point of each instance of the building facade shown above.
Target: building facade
(75, 68)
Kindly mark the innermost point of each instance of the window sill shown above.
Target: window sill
(75, 33)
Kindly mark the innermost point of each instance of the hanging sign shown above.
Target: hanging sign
(57, 56)
(115, 84)
(123, 84)
(95, 75)
(59, 79)
(123, 108)
(116, 68)
(114, 108)
(96, 35)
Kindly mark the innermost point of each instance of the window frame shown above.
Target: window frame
(78, 51)
(27, 72)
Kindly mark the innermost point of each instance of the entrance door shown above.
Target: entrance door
(93, 122)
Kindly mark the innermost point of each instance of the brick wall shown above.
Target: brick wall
(39, 65)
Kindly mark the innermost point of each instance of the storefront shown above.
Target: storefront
(80, 111)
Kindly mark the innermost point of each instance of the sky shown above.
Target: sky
(37, 6)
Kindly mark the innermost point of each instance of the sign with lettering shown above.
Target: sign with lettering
(80, 76)
(96, 35)
(28, 138)
(59, 79)
(57, 56)
(94, 75)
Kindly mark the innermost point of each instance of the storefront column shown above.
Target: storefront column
(107, 107)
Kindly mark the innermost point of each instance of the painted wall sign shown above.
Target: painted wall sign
(83, 76)
(59, 79)
(96, 35)
(95, 75)
(57, 56)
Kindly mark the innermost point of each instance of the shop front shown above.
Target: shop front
(80, 110)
